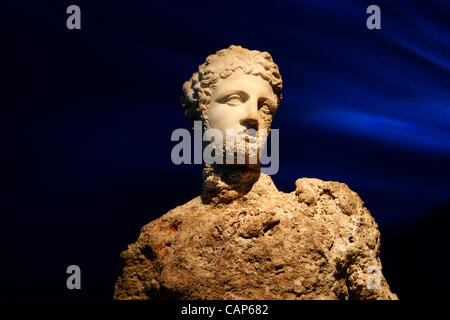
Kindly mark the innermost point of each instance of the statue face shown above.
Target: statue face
(240, 102)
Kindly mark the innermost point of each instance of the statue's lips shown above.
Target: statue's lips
(243, 133)
(246, 131)
(244, 144)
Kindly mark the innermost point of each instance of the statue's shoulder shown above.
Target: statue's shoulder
(141, 261)
(172, 220)
(341, 210)
(329, 197)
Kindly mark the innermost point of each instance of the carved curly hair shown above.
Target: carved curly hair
(199, 89)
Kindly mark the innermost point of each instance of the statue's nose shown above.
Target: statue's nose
(250, 119)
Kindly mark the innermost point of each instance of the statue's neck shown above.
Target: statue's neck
(225, 183)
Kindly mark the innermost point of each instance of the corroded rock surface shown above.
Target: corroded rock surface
(317, 242)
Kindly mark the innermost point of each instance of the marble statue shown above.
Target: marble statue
(241, 238)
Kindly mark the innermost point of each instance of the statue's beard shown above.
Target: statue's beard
(243, 148)
(239, 169)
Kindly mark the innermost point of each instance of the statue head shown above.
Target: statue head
(235, 92)
(234, 89)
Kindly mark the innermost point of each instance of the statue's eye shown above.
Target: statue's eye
(234, 100)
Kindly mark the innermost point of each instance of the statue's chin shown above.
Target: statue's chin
(245, 151)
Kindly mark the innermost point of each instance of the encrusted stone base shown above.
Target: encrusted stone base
(317, 242)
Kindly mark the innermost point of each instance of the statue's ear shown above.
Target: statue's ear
(190, 98)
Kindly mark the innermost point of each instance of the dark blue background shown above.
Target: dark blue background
(87, 116)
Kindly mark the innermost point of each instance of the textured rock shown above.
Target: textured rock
(317, 242)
